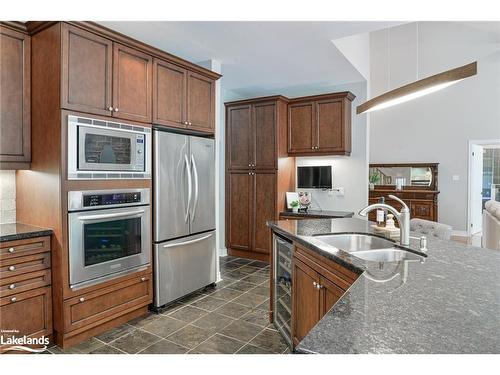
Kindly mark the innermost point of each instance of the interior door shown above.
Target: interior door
(132, 84)
(238, 137)
(172, 185)
(87, 63)
(264, 209)
(329, 134)
(301, 127)
(202, 161)
(200, 102)
(239, 210)
(264, 130)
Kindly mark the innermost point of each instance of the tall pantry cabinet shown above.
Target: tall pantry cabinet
(255, 187)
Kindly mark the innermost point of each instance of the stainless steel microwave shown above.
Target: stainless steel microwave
(100, 149)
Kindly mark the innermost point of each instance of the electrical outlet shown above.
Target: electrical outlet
(456, 177)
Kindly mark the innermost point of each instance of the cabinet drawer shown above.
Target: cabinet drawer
(422, 210)
(19, 265)
(30, 313)
(24, 282)
(13, 249)
(98, 306)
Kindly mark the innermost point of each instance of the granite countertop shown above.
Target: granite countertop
(450, 303)
(319, 213)
(20, 231)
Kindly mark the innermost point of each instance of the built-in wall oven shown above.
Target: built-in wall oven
(99, 149)
(282, 270)
(109, 234)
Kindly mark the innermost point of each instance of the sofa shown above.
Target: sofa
(491, 225)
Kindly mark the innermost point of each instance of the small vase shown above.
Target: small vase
(295, 210)
(371, 186)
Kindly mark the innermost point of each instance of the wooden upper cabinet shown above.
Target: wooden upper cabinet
(238, 137)
(132, 84)
(87, 64)
(301, 129)
(200, 102)
(265, 134)
(15, 118)
(264, 205)
(239, 210)
(169, 91)
(320, 125)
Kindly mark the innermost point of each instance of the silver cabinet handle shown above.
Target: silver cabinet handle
(11, 250)
(187, 242)
(12, 268)
(196, 187)
(249, 165)
(109, 216)
(315, 283)
(12, 286)
(318, 286)
(13, 299)
(116, 109)
(82, 299)
(110, 109)
(190, 187)
(143, 279)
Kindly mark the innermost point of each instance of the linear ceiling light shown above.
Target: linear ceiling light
(418, 88)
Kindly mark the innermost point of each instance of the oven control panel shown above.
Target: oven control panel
(92, 200)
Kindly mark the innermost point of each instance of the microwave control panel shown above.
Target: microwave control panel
(93, 200)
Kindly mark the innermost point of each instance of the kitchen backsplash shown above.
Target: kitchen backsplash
(7, 197)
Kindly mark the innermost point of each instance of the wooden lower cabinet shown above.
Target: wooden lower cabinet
(318, 283)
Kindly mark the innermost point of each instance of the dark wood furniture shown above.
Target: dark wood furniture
(320, 125)
(422, 200)
(255, 186)
(25, 287)
(83, 68)
(313, 214)
(15, 116)
(317, 284)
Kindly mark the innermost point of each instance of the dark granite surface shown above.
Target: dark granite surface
(319, 213)
(20, 231)
(450, 303)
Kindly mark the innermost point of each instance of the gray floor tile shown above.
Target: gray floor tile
(143, 320)
(164, 326)
(209, 303)
(83, 348)
(219, 344)
(259, 264)
(259, 317)
(190, 336)
(115, 333)
(190, 298)
(241, 286)
(135, 341)
(242, 261)
(233, 310)
(241, 330)
(248, 269)
(226, 294)
(250, 349)
(236, 274)
(188, 314)
(270, 340)
(261, 290)
(170, 308)
(213, 322)
(164, 347)
(250, 299)
(256, 279)
(106, 349)
(230, 266)
(226, 280)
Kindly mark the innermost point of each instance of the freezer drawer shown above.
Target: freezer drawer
(183, 266)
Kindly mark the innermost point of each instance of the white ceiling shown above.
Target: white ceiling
(259, 57)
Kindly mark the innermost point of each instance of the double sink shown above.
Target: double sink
(369, 248)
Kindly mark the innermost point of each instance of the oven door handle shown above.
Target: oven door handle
(110, 216)
(187, 242)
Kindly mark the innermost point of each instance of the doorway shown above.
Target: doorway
(484, 181)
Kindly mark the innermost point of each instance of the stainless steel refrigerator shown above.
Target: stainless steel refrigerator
(184, 214)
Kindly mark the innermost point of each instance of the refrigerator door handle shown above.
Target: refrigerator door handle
(196, 187)
(188, 169)
(188, 242)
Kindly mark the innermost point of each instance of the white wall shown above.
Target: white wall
(436, 127)
(7, 197)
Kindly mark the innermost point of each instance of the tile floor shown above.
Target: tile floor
(229, 318)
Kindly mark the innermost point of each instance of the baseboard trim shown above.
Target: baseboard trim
(222, 252)
(459, 233)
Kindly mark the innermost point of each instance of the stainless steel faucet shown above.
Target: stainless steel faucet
(402, 217)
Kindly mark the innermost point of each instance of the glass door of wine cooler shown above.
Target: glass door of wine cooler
(282, 263)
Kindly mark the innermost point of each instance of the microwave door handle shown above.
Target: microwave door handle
(196, 187)
(110, 216)
(187, 242)
(188, 169)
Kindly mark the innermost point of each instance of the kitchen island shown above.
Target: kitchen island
(447, 303)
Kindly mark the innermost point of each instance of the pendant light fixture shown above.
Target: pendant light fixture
(419, 87)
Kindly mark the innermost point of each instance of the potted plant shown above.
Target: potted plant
(295, 206)
(374, 178)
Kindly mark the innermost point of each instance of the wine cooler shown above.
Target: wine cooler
(282, 263)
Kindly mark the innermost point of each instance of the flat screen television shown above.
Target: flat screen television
(314, 177)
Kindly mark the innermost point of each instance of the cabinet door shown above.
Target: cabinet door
(330, 135)
(132, 84)
(330, 294)
(239, 210)
(87, 63)
(301, 128)
(422, 210)
(169, 93)
(200, 103)
(238, 137)
(264, 130)
(264, 206)
(15, 76)
(305, 300)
